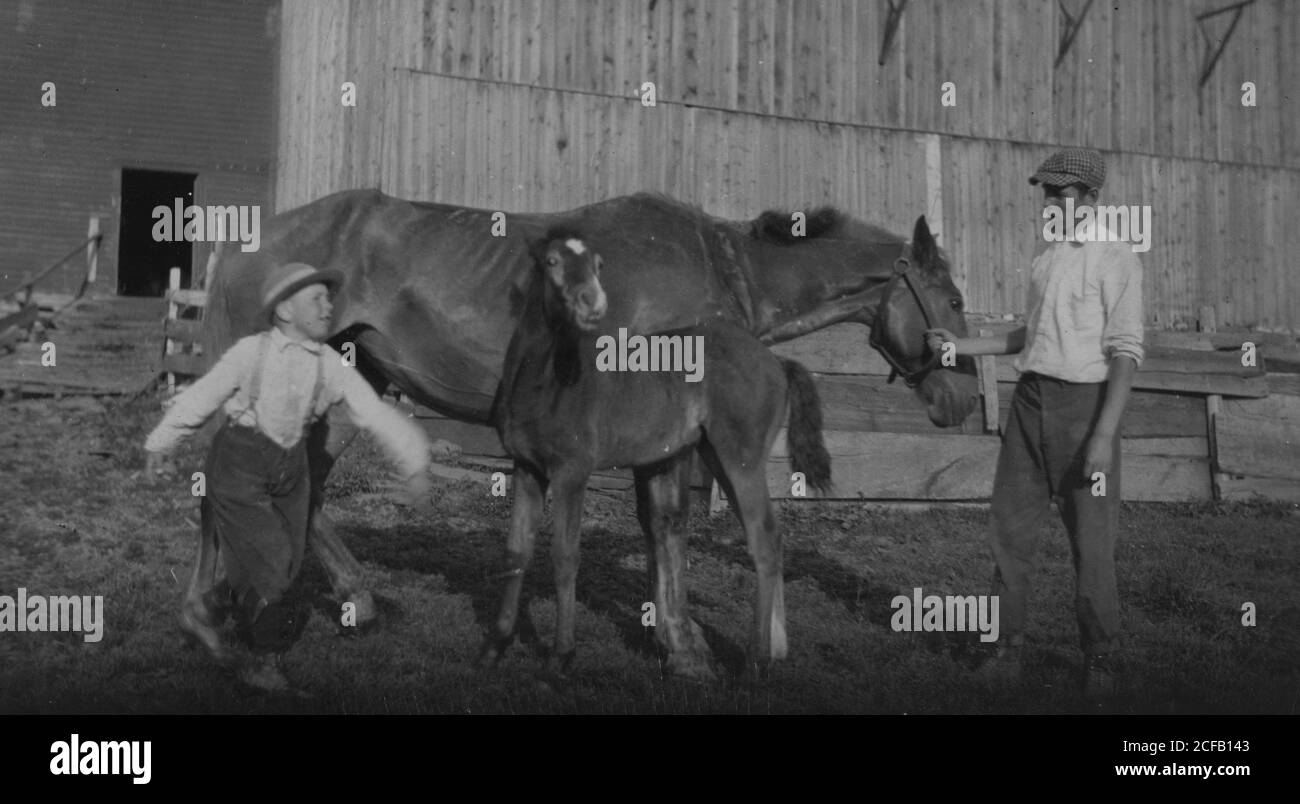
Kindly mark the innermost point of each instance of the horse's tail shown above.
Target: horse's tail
(804, 433)
(218, 323)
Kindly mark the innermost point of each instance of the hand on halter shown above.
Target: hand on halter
(936, 338)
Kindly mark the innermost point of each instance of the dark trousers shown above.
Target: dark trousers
(1043, 453)
(256, 510)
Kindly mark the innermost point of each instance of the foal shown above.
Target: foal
(560, 417)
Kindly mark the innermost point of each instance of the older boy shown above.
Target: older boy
(272, 386)
(1079, 350)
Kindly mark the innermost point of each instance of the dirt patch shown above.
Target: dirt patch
(79, 520)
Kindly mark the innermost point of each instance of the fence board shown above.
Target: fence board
(1260, 437)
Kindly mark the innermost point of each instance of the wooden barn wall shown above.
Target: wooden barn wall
(1129, 82)
(782, 104)
(142, 84)
(1216, 228)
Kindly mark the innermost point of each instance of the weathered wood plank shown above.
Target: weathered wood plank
(1288, 384)
(937, 467)
(860, 403)
(179, 329)
(1222, 384)
(1260, 437)
(1153, 414)
(188, 365)
(899, 466)
(1254, 488)
(1188, 447)
(988, 371)
(191, 298)
(842, 349)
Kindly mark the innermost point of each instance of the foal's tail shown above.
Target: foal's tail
(804, 433)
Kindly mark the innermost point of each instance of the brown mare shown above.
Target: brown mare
(560, 416)
(432, 297)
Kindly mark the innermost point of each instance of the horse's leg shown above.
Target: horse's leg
(203, 577)
(567, 495)
(206, 603)
(326, 442)
(525, 515)
(663, 506)
(744, 479)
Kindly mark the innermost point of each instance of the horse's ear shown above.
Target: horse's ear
(924, 250)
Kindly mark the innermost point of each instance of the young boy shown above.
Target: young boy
(272, 386)
(1079, 350)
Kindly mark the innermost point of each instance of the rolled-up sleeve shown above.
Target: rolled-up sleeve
(1121, 296)
(401, 438)
(195, 404)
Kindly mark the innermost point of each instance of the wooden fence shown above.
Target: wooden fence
(1199, 425)
(17, 325)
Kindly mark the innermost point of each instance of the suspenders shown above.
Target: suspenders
(256, 386)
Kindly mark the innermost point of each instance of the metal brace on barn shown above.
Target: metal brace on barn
(1071, 28)
(1212, 58)
(891, 27)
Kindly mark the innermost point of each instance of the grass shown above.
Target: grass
(77, 519)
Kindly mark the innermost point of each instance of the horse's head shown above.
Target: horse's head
(919, 296)
(570, 272)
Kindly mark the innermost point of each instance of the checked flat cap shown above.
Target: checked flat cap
(1070, 165)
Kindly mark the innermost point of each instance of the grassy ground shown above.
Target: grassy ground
(75, 519)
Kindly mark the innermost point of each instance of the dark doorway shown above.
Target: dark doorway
(142, 263)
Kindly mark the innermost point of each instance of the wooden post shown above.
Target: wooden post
(92, 250)
(211, 267)
(169, 346)
(988, 368)
(1213, 407)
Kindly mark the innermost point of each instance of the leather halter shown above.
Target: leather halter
(881, 321)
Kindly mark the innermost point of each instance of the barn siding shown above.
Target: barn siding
(134, 89)
(766, 103)
(1129, 82)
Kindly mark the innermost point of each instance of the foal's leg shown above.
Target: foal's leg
(663, 506)
(525, 515)
(745, 481)
(566, 497)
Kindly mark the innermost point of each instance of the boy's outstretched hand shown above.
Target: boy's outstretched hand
(157, 466)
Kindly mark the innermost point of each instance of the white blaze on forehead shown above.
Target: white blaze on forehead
(576, 246)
